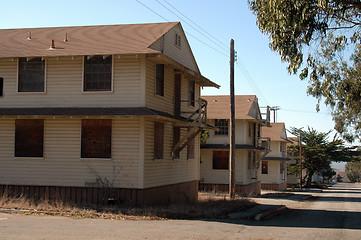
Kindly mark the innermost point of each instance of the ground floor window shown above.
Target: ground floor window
(158, 140)
(221, 160)
(29, 137)
(96, 138)
(264, 167)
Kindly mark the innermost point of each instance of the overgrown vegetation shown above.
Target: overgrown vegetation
(321, 42)
(209, 206)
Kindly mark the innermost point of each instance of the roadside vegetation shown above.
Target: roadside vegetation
(209, 206)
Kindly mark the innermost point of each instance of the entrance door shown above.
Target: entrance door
(177, 94)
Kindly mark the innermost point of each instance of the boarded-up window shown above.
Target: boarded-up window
(1, 86)
(98, 73)
(29, 137)
(192, 93)
(221, 160)
(264, 167)
(158, 140)
(96, 138)
(31, 75)
(190, 148)
(176, 138)
(222, 126)
(159, 80)
(249, 166)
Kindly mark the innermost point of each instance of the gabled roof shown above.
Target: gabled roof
(277, 132)
(82, 40)
(246, 107)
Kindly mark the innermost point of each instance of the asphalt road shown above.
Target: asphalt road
(335, 214)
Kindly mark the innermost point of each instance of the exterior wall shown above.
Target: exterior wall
(159, 172)
(62, 165)
(273, 175)
(64, 83)
(166, 103)
(183, 55)
(243, 176)
(274, 187)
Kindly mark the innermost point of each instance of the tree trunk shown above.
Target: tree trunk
(309, 178)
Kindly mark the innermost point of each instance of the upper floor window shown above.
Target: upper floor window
(97, 73)
(222, 125)
(159, 80)
(192, 93)
(31, 76)
(282, 147)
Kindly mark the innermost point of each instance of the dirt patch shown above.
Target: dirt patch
(209, 206)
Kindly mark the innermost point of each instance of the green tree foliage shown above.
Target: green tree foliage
(353, 171)
(318, 152)
(204, 136)
(321, 41)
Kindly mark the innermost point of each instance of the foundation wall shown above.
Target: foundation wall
(252, 189)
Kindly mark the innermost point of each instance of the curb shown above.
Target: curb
(269, 213)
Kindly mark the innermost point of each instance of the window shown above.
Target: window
(249, 166)
(192, 92)
(264, 167)
(29, 137)
(177, 40)
(221, 160)
(98, 73)
(250, 126)
(159, 80)
(282, 147)
(31, 76)
(176, 138)
(190, 148)
(158, 140)
(222, 125)
(1, 86)
(96, 138)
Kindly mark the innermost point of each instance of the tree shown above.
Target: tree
(325, 33)
(318, 152)
(353, 171)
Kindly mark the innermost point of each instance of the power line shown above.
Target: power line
(191, 25)
(152, 10)
(226, 47)
(303, 111)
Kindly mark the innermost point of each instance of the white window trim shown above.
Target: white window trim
(31, 93)
(97, 92)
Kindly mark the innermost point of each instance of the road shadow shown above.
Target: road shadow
(302, 218)
(339, 199)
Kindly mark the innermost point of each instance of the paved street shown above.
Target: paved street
(335, 214)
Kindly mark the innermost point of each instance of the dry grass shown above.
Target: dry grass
(209, 206)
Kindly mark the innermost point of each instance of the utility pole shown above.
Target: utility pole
(274, 109)
(300, 161)
(232, 124)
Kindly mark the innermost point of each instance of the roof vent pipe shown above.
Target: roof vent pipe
(66, 37)
(52, 44)
(29, 37)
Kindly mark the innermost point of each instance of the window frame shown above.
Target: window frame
(264, 167)
(220, 132)
(111, 77)
(223, 164)
(16, 137)
(191, 93)
(158, 152)
(156, 81)
(82, 135)
(18, 77)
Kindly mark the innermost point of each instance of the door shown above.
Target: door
(177, 94)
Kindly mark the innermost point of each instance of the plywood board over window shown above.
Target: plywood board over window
(29, 138)
(176, 139)
(221, 160)
(264, 167)
(158, 140)
(96, 138)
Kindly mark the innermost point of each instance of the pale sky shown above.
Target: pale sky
(221, 20)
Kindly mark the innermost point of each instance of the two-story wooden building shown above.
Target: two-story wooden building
(96, 113)
(250, 146)
(273, 171)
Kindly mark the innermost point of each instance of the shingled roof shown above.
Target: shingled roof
(82, 40)
(275, 132)
(219, 106)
